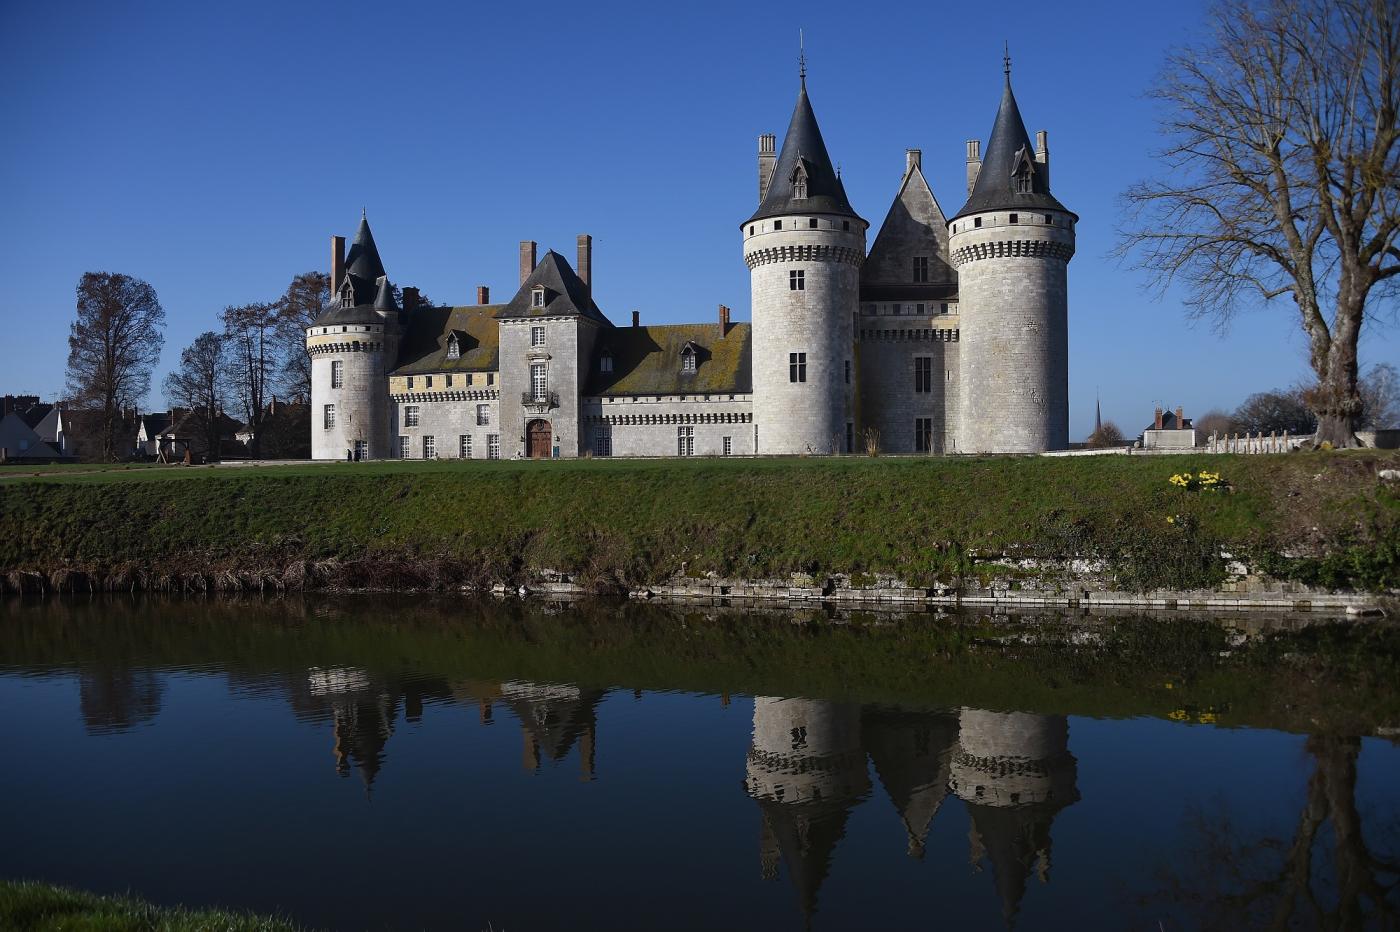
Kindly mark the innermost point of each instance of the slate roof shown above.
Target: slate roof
(33, 414)
(995, 189)
(803, 145)
(19, 441)
(565, 294)
(914, 226)
(365, 273)
(363, 263)
(429, 329)
(647, 361)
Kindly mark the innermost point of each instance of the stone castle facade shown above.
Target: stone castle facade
(947, 336)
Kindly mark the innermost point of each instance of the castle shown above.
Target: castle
(948, 336)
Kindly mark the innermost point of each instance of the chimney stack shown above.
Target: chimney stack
(636, 318)
(527, 258)
(1157, 420)
(1180, 418)
(974, 163)
(483, 294)
(913, 158)
(410, 300)
(585, 261)
(723, 321)
(337, 263)
(1042, 154)
(767, 158)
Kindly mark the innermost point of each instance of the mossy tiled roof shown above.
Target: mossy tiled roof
(429, 330)
(647, 361)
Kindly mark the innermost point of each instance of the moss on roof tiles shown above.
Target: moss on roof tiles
(429, 329)
(647, 361)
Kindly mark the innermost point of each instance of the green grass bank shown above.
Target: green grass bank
(28, 906)
(1322, 518)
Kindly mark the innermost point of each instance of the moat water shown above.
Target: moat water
(407, 763)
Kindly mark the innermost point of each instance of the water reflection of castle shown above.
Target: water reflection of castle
(807, 771)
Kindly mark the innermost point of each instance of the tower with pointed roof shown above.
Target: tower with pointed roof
(804, 246)
(353, 344)
(1011, 244)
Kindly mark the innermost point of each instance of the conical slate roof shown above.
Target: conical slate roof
(363, 260)
(1007, 148)
(804, 148)
(384, 297)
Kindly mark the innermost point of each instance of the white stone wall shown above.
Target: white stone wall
(648, 427)
(362, 401)
(887, 350)
(446, 416)
(1014, 374)
(566, 352)
(810, 416)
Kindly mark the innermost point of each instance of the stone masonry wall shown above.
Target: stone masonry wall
(648, 427)
(889, 402)
(561, 353)
(362, 401)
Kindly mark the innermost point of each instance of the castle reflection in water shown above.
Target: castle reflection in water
(808, 764)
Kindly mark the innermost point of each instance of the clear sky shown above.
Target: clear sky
(213, 148)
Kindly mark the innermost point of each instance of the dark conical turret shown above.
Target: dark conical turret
(363, 260)
(1010, 177)
(804, 180)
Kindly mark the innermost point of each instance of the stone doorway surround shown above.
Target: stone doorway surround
(539, 439)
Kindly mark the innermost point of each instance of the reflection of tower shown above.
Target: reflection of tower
(552, 719)
(362, 726)
(806, 769)
(1015, 773)
(912, 752)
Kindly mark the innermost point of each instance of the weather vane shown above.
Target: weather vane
(801, 56)
(1006, 57)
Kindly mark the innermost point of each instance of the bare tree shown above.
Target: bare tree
(198, 384)
(250, 332)
(1277, 410)
(306, 297)
(1215, 421)
(1106, 437)
(1283, 178)
(112, 346)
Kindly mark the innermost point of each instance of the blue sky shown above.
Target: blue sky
(212, 149)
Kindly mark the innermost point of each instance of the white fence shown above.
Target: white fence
(1254, 443)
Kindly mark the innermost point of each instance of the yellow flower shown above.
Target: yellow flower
(1171, 519)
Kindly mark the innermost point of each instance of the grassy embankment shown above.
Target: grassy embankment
(28, 906)
(619, 523)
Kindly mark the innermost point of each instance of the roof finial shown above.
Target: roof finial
(362, 214)
(1006, 59)
(801, 57)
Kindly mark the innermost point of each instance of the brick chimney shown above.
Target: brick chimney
(483, 294)
(585, 261)
(1157, 420)
(527, 258)
(410, 300)
(723, 320)
(636, 318)
(337, 262)
(1180, 418)
(913, 158)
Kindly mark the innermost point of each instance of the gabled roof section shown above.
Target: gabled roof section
(565, 294)
(803, 146)
(995, 188)
(424, 347)
(914, 226)
(647, 361)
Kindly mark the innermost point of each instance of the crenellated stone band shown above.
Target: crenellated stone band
(804, 252)
(1012, 249)
(320, 349)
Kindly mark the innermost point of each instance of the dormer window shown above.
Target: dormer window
(799, 181)
(454, 349)
(605, 362)
(1023, 172)
(688, 355)
(537, 297)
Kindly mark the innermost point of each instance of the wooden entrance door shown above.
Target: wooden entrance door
(539, 439)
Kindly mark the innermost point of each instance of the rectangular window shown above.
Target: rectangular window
(464, 446)
(685, 441)
(490, 378)
(797, 367)
(539, 381)
(403, 447)
(1014, 218)
(688, 362)
(896, 309)
(923, 374)
(328, 417)
(848, 372)
(921, 268)
(483, 415)
(602, 441)
(537, 297)
(428, 382)
(361, 450)
(410, 415)
(812, 224)
(976, 221)
(777, 224)
(605, 363)
(337, 374)
(943, 308)
(430, 447)
(537, 336)
(410, 383)
(728, 446)
(919, 310)
(850, 437)
(797, 280)
(493, 446)
(923, 434)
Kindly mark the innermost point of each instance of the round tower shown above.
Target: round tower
(1011, 244)
(804, 247)
(354, 344)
